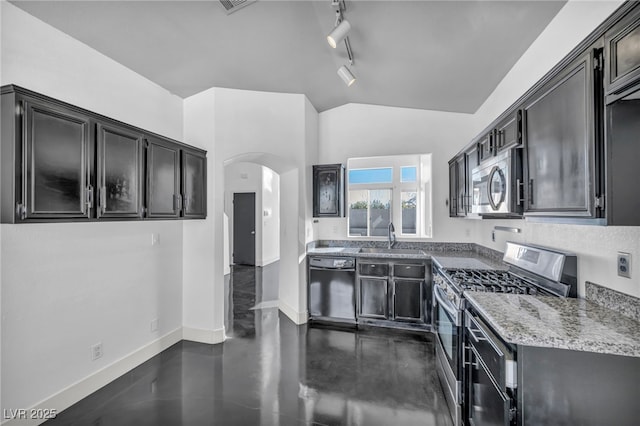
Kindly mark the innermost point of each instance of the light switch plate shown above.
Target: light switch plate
(624, 264)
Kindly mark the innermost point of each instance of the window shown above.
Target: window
(389, 189)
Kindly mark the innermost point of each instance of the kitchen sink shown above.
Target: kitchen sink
(381, 250)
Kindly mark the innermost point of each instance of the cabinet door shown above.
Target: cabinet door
(453, 189)
(119, 172)
(509, 132)
(373, 298)
(622, 53)
(328, 190)
(559, 132)
(163, 174)
(407, 300)
(471, 162)
(486, 147)
(194, 185)
(461, 182)
(56, 171)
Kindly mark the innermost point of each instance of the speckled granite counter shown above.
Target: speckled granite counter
(448, 255)
(555, 322)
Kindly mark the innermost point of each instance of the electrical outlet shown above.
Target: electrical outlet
(624, 264)
(154, 324)
(96, 351)
(155, 239)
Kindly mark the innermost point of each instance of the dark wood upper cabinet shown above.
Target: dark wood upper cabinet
(328, 190)
(622, 54)
(194, 188)
(163, 179)
(63, 163)
(458, 201)
(509, 131)
(120, 172)
(56, 169)
(559, 130)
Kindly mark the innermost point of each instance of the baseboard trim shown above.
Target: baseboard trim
(295, 316)
(85, 387)
(200, 335)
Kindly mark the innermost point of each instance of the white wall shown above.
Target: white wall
(270, 216)
(357, 130)
(265, 128)
(68, 286)
(595, 246)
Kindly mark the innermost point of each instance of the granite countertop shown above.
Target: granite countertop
(467, 260)
(447, 255)
(555, 322)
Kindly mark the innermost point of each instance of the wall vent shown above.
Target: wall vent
(231, 6)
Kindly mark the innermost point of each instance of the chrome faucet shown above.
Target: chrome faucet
(392, 235)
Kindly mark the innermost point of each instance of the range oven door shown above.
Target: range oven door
(448, 328)
(497, 186)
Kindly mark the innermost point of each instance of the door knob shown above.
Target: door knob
(253, 232)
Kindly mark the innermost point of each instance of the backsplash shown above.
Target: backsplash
(623, 303)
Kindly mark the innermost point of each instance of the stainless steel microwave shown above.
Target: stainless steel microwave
(496, 185)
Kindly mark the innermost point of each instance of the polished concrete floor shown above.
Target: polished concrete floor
(272, 372)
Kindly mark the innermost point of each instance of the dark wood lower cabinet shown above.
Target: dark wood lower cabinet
(394, 293)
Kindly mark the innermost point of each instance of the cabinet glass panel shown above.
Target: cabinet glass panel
(408, 299)
(373, 298)
(119, 173)
(57, 174)
(628, 52)
(557, 143)
(163, 180)
(194, 185)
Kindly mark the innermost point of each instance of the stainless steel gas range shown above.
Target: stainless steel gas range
(531, 270)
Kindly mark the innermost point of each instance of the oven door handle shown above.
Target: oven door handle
(446, 304)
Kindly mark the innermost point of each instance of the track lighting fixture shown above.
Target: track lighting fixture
(346, 75)
(339, 33)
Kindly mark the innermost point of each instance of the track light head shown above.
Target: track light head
(338, 33)
(346, 75)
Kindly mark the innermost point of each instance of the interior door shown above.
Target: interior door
(244, 228)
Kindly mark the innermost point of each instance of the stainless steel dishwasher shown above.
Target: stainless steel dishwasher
(332, 294)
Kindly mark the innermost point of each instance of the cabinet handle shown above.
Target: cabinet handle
(519, 127)
(519, 199)
(21, 211)
(89, 196)
(102, 199)
(530, 191)
(177, 202)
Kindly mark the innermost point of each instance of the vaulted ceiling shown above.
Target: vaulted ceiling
(439, 55)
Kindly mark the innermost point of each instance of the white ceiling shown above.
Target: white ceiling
(440, 55)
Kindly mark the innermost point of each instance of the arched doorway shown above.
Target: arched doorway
(291, 288)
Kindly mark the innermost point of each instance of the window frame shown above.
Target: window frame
(422, 188)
